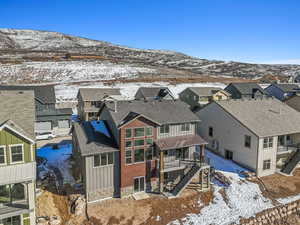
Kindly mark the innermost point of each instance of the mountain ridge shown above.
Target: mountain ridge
(38, 49)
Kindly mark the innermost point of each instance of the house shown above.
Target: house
(91, 99)
(199, 96)
(282, 91)
(49, 120)
(245, 90)
(147, 146)
(260, 134)
(17, 158)
(293, 101)
(153, 93)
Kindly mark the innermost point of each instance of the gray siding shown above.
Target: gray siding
(175, 130)
(18, 173)
(276, 92)
(102, 177)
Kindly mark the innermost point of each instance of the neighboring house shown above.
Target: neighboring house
(294, 102)
(199, 96)
(260, 134)
(91, 99)
(282, 91)
(17, 158)
(49, 119)
(245, 90)
(144, 146)
(153, 93)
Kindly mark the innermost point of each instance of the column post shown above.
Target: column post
(161, 170)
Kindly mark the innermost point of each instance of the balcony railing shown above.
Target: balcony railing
(287, 148)
(184, 163)
(12, 209)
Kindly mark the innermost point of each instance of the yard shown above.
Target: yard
(225, 203)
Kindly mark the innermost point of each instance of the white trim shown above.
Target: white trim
(10, 155)
(32, 152)
(5, 155)
(17, 132)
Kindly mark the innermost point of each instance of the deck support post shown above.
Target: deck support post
(161, 171)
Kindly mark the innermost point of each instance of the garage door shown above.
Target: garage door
(63, 124)
(41, 127)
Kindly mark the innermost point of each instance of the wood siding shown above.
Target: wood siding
(175, 130)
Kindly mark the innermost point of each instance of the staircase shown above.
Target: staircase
(291, 165)
(185, 181)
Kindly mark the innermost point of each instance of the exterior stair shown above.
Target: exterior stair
(291, 165)
(185, 181)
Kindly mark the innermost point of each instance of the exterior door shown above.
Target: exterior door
(228, 154)
(139, 184)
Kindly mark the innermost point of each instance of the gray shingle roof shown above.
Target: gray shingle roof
(55, 112)
(91, 142)
(287, 87)
(44, 93)
(153, 92)
(265, 117)
(246, 88)
(97, 94)
(18, 107)
(205, 91)
(294, 102)
(160, 111)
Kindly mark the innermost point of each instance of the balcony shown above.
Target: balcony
(18, 173)
(13, 209)
(287, 148)
(178, 164)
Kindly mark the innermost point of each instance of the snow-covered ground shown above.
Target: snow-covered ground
(58, 158)
(244, 198)
(69, 92)
(69, 71)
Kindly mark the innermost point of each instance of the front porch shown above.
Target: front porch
(180, 160)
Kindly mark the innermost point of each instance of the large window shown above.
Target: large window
(165, 129)
(149, 141)
(16, 152)
(128, 133)
(149, 131)
(268, 142)
(210, 131)
(150, 153)
(104, 159)
(139, 132)
(139, 155)
(267, 164)
(128, 156)
(128, 144)
(12, 193)
(4, 194)
(185, 127)
(247, 141)
(2, 155)
(139, 142)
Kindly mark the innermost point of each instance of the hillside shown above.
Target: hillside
(41, 56)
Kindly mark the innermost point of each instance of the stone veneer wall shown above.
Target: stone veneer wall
(274, 216)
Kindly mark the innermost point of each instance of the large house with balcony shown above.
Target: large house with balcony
(17, 158)
(139, 146)
(91, 99)
(50, 121)
(260, 134)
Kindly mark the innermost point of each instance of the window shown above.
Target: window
(128, 144)
(17, 192)
(2, 155)
(185, 127)
(247, 141)
(4, 194)
(149, 141)
(12, 193)
(128, 156)
(267, 164)
(15, 220)
(104, 159)
(210, 131)
(128, 133)
(16, 153)
(164, 129)
(139, 132)
(139, 142)
(150, 153)
(149, 131)
(139, 155)
(268, 142)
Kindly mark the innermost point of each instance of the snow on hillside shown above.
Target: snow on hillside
(69, 92)
(69, 71)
